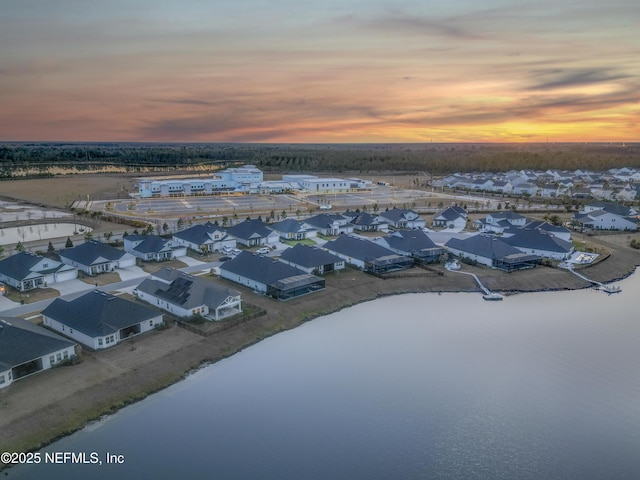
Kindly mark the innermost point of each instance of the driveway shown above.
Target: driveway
(190, 261)
(71, 286)
(131, 273)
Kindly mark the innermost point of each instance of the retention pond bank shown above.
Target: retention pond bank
(44, 407)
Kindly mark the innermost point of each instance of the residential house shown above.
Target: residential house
(252, 233)
(185, 295)
(365, 222)
(402, 218)
(557, 230)
(207, 237)
(290, 229)
(152, 248)
(491, 251)
(100, 320)
(412, 243)
(367, 255)
(26, 348)
(26, 271)
(607, 216)
(453, 217)
(270, 277)
(94, 257)
(499, 221)
(311, 259)
(541, 243)
(330, 224)
(528, 189)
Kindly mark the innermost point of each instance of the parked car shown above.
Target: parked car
(263, 250)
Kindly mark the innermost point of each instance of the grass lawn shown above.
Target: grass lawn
(292, 243)
(152, 267)
(99, 280)
(31, 296)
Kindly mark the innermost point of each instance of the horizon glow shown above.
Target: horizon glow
(336, 72)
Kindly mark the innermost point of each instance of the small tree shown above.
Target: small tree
(51, 248)
(180, 224)
(88, 237)
(69, 243)
(20, 247)
(165, 227)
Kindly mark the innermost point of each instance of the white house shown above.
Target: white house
(311, 259)
(26, 348)
(207, 236)
(330, 225)
(252, 233)
(290, 229)
(25, 271)
(94, 257)
(453, 218)
(99, 320)
(403, 218)
(538, 242)
(185, 295)
(607, 216)
(152, 248)
(270, 277)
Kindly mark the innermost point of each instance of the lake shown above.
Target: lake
(539, 386)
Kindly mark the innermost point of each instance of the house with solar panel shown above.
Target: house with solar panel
(26, 348)
(100, 320)
(185, 295)
(270, 277)
(152, 248)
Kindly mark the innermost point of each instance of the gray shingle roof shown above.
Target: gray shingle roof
(482, 245)
(98, 313)
(261, 269)
(20, 266)
(250, 229)
(409, 241)
(90, 252)
(289, 225)
(323, 220)
(187, 291)
(21, 341)
(309, 257)
(200, 234)
(152, 244)
(538, 239)
(358, 248)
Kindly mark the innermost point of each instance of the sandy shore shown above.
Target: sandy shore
(41, 408)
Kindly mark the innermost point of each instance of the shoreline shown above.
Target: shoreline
(104, 382)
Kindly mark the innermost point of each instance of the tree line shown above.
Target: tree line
(435, 159)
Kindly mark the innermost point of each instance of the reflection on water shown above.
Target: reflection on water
(416, 386)
(43, 231)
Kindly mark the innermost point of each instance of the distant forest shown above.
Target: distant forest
(37, 159)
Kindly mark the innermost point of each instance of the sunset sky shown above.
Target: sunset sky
(322, 71)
